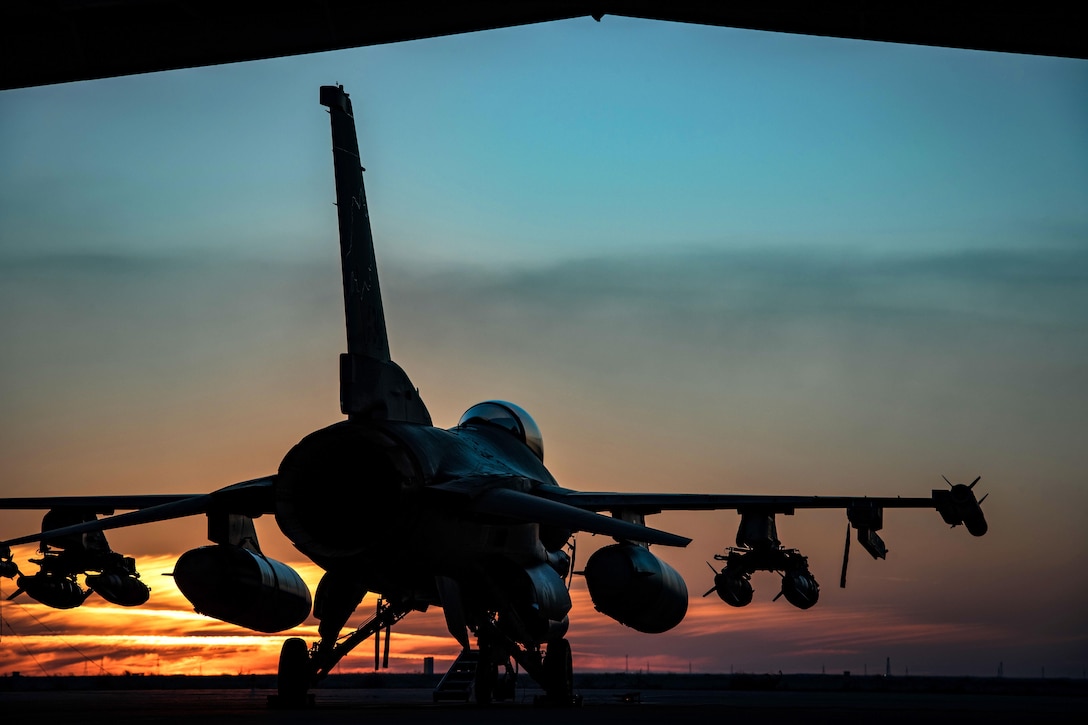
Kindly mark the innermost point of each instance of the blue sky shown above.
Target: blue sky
(705, 259)
(554, 141)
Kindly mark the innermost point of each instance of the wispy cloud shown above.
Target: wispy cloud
(695, 370)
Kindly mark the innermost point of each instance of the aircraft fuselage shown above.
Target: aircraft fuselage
(382, 499)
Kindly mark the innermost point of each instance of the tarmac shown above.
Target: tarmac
(412, 706)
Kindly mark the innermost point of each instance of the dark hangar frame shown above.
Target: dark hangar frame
(58, 41)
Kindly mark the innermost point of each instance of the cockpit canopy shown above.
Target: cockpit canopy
(511, 418)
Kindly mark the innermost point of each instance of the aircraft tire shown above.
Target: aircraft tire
(293, 675)
(484, 685)
(559, 671)
(506, 685)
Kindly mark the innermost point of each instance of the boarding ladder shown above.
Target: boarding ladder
(457, 683)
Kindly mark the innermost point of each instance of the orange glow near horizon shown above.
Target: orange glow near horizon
(167, 637)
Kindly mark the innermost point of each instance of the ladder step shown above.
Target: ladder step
(459, 679)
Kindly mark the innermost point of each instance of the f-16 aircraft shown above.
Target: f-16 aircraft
(467, 519)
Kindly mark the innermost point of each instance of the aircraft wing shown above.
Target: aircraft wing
(652, 503)
(956, 505)
(578, 510)
(252, 498)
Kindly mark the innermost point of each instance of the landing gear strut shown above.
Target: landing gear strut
(301, 666)
(551, 665)
(487, 674)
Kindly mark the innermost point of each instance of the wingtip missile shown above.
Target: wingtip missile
(959, 505)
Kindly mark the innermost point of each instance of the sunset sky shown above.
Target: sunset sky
(705, 260)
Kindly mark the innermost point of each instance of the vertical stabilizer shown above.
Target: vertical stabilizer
(372, 386)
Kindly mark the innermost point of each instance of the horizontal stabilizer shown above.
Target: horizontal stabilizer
(528, 507)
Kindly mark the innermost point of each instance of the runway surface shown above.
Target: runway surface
(671, 707)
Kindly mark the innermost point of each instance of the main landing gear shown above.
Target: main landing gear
(550, 664)
(488, 674)
(557, 676)
(301, 667)
(496, 676)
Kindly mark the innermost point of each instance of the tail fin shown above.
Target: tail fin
(372, 386)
